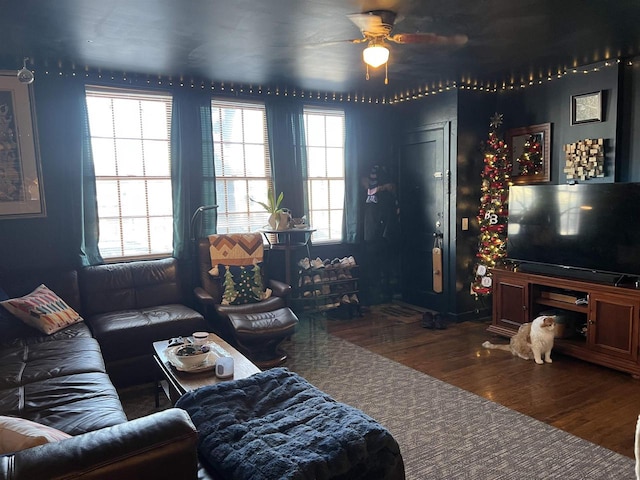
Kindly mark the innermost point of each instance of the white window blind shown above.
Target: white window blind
(130, 141)
(242, 165)
(325, 138)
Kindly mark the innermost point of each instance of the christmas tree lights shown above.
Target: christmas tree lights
(492, 214)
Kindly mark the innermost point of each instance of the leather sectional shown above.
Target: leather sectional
(66, 380)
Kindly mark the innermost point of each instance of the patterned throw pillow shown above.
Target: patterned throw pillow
(17, 434)
(242, 284)
(43, 309)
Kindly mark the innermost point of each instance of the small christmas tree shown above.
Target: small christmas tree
(230, 294)
(530, 161)
(492, 215)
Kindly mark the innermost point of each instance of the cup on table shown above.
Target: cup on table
(200, 338)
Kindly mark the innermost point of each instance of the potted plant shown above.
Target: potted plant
(279, 218)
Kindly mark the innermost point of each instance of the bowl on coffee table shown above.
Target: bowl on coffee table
(192, 356)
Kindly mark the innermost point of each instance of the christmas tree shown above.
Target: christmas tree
(530, 162)
(492, 215)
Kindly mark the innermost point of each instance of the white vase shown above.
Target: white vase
(279, 221)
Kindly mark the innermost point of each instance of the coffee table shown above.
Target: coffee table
(175, 383)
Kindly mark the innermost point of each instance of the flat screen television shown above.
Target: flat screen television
(593, 228)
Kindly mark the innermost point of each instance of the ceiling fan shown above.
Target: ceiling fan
(376, 27)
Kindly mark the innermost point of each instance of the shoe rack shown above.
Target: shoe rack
(324, 285)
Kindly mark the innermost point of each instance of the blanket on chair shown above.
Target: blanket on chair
(276, 425)
(236, 249)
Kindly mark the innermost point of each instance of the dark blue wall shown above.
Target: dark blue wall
(551, 102)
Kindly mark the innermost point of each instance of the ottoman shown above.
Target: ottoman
(275, 425)
(258, 335)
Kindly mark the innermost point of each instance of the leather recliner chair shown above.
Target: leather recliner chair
(256, 329)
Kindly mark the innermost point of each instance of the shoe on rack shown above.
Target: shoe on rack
(440, 321)
(317, 263)
(335, 262)
(345, 300)
(304, 263)
(317, 278)
(428, 321)
(326, 289)
(351, 261)
(306, 280)
(354, 299)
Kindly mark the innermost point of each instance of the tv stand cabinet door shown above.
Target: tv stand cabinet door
(613, 325)
(510, 303)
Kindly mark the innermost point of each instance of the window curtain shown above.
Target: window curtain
(67, 119)
(355, 119)
(192, 171)
(89, 251)
(287, 147)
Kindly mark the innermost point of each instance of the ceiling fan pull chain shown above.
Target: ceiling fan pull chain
(367, 77)
(386, 71)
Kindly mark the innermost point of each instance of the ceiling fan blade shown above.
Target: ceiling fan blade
(334, 42)
(367, 22)
(428, 39)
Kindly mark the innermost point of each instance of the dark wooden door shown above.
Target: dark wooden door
(424, 206)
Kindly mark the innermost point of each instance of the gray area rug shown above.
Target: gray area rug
(444, 432)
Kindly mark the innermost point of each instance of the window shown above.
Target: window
(324, 132)
(130, 133)
(242, 166)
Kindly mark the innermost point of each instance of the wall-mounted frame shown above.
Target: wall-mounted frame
(21, 189)
(530, 150)
(586, 108)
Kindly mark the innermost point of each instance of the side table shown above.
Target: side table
(282, 240)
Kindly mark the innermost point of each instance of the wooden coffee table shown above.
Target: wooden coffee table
(175, 383)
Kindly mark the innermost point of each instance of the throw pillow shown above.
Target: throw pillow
(17, 434)
(243, 284)
(42, 309)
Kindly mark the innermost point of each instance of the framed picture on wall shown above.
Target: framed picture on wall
(586, 108)
(21, 191)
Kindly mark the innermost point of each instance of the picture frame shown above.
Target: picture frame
(586, 108)
(535, 140)
(21, 187)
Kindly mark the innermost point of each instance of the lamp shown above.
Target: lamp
(194, 229)
(374, 56)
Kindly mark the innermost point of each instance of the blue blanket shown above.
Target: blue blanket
(276, 425)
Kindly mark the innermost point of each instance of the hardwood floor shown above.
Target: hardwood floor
(595, 403)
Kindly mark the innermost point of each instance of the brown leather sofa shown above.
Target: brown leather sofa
(130, 305)
(61, 380)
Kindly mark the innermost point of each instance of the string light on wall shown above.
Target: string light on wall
(465, 83)
(24, 74)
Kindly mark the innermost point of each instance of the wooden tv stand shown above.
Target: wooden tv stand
(603, 327)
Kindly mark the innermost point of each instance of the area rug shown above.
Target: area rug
(444, 432)
(397, 312)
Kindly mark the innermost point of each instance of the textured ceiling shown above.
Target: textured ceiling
(300, 43)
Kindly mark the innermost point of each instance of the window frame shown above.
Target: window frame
(123, 93)
(307, 180)
(255, 214)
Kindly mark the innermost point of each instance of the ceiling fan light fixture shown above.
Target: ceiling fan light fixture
(375, 55)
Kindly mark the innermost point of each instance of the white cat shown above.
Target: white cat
(533, 341)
